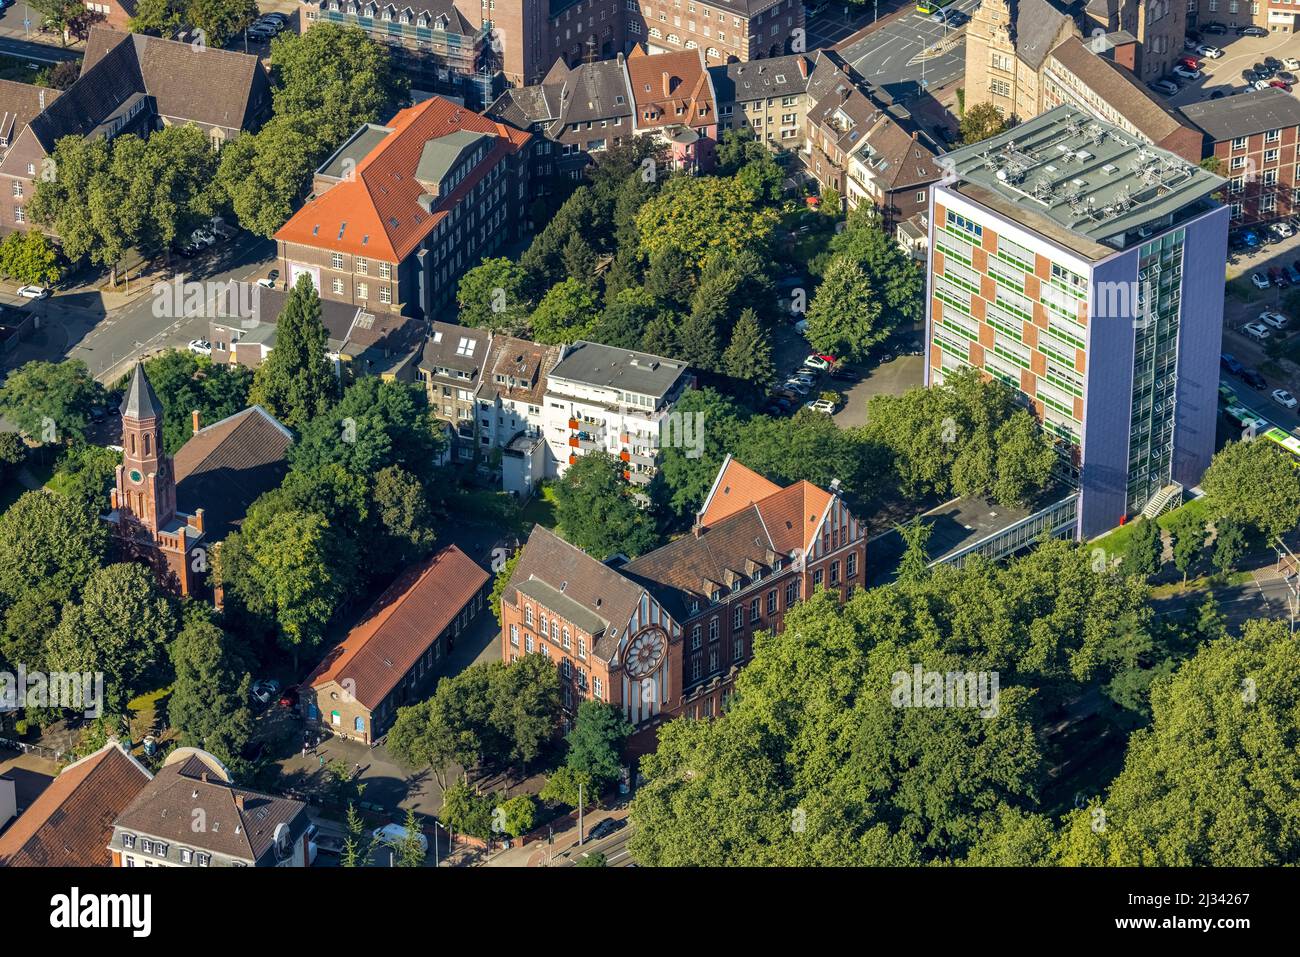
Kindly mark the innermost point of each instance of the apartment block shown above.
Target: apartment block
(400, 212)
(451, 369)
(1255, 137)
(1084, 268)
(603, 399)
(767, 96)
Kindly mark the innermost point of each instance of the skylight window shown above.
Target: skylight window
(466, 347)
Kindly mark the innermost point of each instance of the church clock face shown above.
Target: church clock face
(646, 651)
(135, 476)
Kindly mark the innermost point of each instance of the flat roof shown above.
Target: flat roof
(594, 364)
(1244, 114)
(1102, 188)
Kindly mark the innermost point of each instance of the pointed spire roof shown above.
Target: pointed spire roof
(141, 402)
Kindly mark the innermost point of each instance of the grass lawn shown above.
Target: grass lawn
(1242, 289)
(1116, 541)
(540, 509)
(1200, 583)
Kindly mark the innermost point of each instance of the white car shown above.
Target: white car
(200, 347)
(1282, 229)
(817, 362)
(1256, 331)
(1260, 85)
(1167, 87)
(265, 690)
(1291, 63)
(821, 405)
(796, 386)
(394, 834)
(203, 237)
(1284, 398)
(1208, 51)
(1274, 319)
(1260, 280)
(1181, 71)
(34, 292)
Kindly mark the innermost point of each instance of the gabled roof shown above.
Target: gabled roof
(238, 822)
(71, 822)
(523, 361)
(20, 103)
(586, 93)
(663, 83)
(576, 575)
(1035, 26)
(209, 86)
(734, 488)
(140, 401)
(224, 467)
(401, 625)
(460, 348)
(522, 106)
(377, 211)
(742, 81)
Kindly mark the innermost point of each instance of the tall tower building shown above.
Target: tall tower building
(1083, 267)
(144, 517)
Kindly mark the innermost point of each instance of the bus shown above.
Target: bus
(1244, 417)
(1285, 441)
(928, 7)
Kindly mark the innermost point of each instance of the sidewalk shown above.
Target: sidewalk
(538, 853)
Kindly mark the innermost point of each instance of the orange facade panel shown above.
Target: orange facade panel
(1029, 334)
(1042, 267)
(1080, 361)
(1033, 288)
(979, 260)
(986, 335)
(1038, 362)
(977, 355)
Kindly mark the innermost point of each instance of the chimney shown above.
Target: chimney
(697, 529)
(239, 801)
(203, 776)
(803, 68)
(668, 83)
(620, 58)
(194, 420)
(913, 134)
(198, 519)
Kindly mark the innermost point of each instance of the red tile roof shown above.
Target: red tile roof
(735, 487)
(381, 200)
(401, 625)
(71, 823)
(665, 82)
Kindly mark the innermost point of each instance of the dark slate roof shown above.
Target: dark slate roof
(611, 367)
(1244, 114)
(460, 348)
(107, 82)
(166, 808)
(71, 822)
(20, 103)
(140, 401)
(590, 91)
(758, 79)
(571, 571)
(223, 468)
(1035, 25)
(522, 106)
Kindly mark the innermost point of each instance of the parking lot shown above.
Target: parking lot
(1223, 75)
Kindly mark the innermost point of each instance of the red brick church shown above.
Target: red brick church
(169, 513)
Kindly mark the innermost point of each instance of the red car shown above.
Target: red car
(1278, 277)
(1190, 62)
(1280, 84)
(290, 697)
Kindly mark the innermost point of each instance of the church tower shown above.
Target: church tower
(146, 483)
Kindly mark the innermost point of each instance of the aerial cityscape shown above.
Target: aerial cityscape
(649, 433)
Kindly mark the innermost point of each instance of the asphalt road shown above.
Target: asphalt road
(887, 57)
(108, 343)
(613, 847)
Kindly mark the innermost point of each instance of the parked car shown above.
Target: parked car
(1231, 364)
(817, 362)
(265, 690)
(821, 405)
(1185, 73)
(605, 828)
(1256, 331)
(1226, 394)
(269, 280)
(1280, 84)
(1206, 50)
(98, 413)
(1284, 398)
(1253, 379)
(845, 374)
(33, 292)
(1260, 280)
(1167, 87)
(1251, 31)
(801, 326)
(188, 250)
(1213, 28)
(1275, 274)
(1250, 238)
(1291, 63)
(1274, 319)
(1261, 85)
(1191, 62)
(1217, 95)
(794, 385)
(200, 347)
(395, 834)
(262, 31)
(1293, 273)
(202, 237)
(290, 697)
(777, 406)
(1190, 43)
(1283, 229)
(1272, 62)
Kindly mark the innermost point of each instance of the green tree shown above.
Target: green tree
(595, 507)
(1144, 554)
(625, 318)
(209, 699)
(185, 384)
(567, 312)
(50, 401)
(410, 848)
(49, 541)
(1202, 787)
(405, 534)
(749, 356)
(684, 477)
(121, 628)
(569, 786)
(699, 337)
(980, 122)
(894, 278)
(596, 742)
(1188, 533)
(220, 20)
(85, 473)
(915, 564)
(357, 844)
(1229, 544)
(669, 279)
(698, 215)
(844, 317)
(295, 382)
(30, 258)
(518, 815)
(1252, 484)
(500, 582)
(493, 295)
(265, 174)
(525, 699)
(467, 811)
